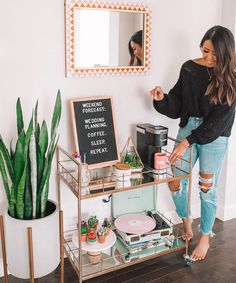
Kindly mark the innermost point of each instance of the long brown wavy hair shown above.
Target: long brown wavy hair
(137, 37)
(222, 88)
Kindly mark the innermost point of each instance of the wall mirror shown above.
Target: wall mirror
(98, 35)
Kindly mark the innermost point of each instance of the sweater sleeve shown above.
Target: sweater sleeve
(171, 104)
(213, 125)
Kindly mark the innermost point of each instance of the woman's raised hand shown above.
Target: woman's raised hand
(178, 151)
(157, 93)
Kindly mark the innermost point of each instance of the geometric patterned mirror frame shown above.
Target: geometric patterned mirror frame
(71, 6)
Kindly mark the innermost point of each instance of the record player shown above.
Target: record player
(136, 218)
(162, 229)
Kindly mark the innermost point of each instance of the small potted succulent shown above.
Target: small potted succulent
(134, 161)
(101, 234)
(84, 231)
(92, 224)
(91, 238)
(107, 224)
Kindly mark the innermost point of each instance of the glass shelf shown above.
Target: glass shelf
(118, 256)
(106, 183)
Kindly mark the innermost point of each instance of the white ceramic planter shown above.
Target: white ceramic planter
(46, 244)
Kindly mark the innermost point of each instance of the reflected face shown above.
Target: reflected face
(138, 52)
(208, 53)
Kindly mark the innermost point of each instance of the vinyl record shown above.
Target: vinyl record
(135, 223)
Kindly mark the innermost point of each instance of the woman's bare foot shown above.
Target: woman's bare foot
(188, 232)
(201, 249)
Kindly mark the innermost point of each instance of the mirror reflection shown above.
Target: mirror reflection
(107, 38)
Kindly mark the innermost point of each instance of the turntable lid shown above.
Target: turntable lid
(134, 201)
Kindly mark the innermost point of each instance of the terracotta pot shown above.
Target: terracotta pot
(101, 239)
(83, 237)
(91, 230)
(94, 257)
(91, 239)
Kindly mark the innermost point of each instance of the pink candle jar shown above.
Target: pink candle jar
(160, 161)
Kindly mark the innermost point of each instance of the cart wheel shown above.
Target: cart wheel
(189, 261)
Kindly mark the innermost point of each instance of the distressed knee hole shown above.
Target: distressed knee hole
(174, 186)
(205, 181)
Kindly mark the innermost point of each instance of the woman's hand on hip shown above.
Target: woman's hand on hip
(178, 151)
(157, 93)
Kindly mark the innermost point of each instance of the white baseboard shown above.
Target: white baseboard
(226, 213)
(1, 268)
(223, 213)
(172, 215)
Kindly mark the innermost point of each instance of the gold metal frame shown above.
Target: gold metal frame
(75, 255)
(71, 70)
(30, 250)
(30, 247)
(4, 256)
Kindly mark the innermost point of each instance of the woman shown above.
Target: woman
(204, 100)
(135, 48)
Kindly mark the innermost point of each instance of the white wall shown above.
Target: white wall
(32, 67)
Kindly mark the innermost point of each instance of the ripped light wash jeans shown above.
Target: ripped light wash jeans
(211, 157)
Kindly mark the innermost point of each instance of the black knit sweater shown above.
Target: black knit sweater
(187, 99)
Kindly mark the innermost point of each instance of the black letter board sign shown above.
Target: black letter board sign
(94, 130)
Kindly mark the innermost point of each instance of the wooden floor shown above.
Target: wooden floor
(218, 267)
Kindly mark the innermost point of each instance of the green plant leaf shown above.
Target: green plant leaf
(11, 151)
(7, 158)
(28, 205)
(29, 166)
(36, 113)
(19, 162)
(46, 174)
(27, 137)
(27, 200)
(44, 198)
(51, 150)
(36, 124)
(28, 193)
(33, 172)
(20, 195)
(56, 115)
(37, 132)
(41, 165)
(11, 208)
(43, 138)
(4, 178)
(19, 117)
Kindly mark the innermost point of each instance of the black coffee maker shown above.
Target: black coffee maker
(150, 139)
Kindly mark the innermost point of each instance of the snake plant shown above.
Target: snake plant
(26, 169)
